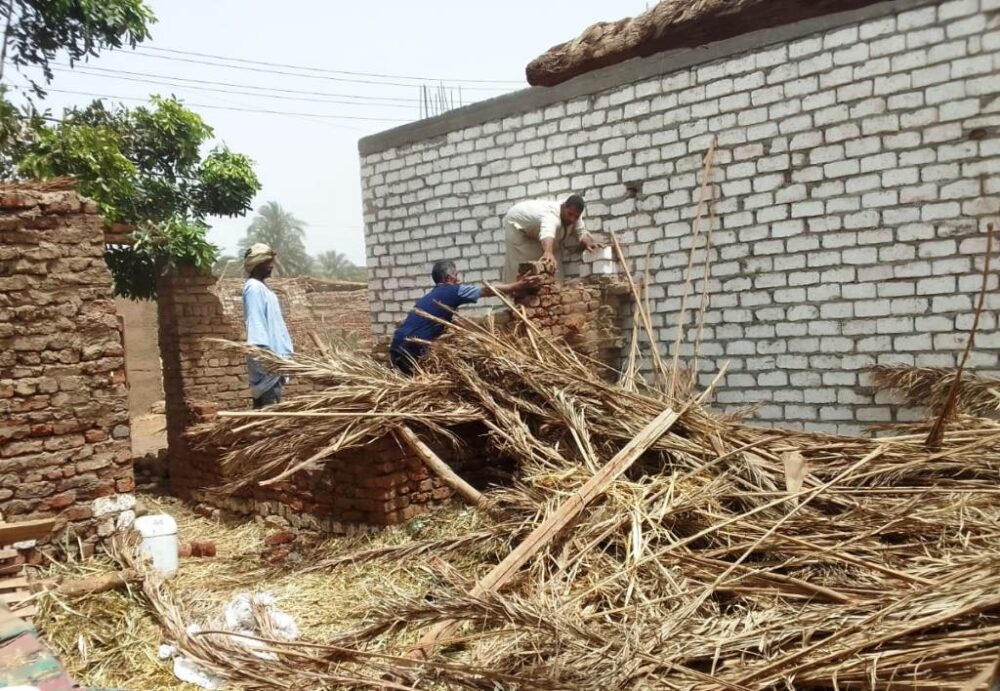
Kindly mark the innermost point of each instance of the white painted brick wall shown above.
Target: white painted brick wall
(856, 172)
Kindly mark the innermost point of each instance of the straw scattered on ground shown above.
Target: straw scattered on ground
(110, 640)
(728, 557)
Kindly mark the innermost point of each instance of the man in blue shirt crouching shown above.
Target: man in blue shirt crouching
(447, 295)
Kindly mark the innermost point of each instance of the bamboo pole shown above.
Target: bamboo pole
(706, 176)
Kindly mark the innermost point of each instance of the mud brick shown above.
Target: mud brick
(442, 493)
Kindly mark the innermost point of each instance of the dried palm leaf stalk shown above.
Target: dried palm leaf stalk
(928, 387)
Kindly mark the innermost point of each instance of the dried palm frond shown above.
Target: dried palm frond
(928, 387)
(701, 568)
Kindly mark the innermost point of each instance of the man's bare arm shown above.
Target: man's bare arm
(519, 286)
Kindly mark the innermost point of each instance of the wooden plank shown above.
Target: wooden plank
(560, 518)
(430, 459)
(11, 569)
(25, 530)
(14, 583)
(15, 597)
(25, 613)
(7, 553)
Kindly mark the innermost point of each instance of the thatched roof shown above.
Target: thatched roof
(671, 24)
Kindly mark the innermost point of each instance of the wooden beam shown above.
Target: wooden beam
(99, 584)
(559, 519)
(25, 530)
(13, 583)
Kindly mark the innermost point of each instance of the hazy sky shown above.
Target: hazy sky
(309, 164)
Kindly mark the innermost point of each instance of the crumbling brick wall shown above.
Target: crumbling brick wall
(64, 424)
(382, 483)
(587, 314)
(200, 376)
(198, 373)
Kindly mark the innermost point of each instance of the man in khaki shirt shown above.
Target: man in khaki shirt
(536, 229)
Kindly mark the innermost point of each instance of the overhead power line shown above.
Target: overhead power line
(100, 71)
(321, 70)
(267, 70)
(174, 84)
(327, 116)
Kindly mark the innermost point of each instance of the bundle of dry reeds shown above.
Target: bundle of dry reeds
(724, 557)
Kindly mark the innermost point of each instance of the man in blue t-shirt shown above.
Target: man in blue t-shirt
(447, 295)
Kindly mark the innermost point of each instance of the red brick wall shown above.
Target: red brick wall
(197, 372)
(586, 313)
(335, 311)
(64, 424)
(382, 483)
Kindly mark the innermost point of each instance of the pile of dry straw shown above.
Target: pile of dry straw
(723, 557)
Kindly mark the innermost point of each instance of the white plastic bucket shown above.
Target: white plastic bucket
(159, 540)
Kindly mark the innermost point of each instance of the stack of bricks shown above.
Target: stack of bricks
(585, 313)
(382, 483)
(64, 425)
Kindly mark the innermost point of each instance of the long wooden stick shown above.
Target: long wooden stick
(439, 467)
(937, 431)
(706, 175)
(562, 517)
(320, 345)
(98, 584)
(660, 367)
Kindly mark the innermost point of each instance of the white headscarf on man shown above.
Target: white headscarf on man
(256, 254)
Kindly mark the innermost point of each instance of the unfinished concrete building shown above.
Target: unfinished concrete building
(857, 164)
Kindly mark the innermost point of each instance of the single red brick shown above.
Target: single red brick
(282, 537)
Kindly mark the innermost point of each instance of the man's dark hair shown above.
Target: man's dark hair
(576, 201)
(442, 270)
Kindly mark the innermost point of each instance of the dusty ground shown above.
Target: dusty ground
(110, 640)
(149, 434)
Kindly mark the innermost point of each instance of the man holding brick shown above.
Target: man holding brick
(409, 343)
(265, 325)
(536, 229)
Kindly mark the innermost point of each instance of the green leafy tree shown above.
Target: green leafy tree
(333, 264)
(143, 167)
(285, 234)
(16, 124)
(35, 32)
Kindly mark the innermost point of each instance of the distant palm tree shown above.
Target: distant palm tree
(333, 264)
(228, 263)
(285, 234)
